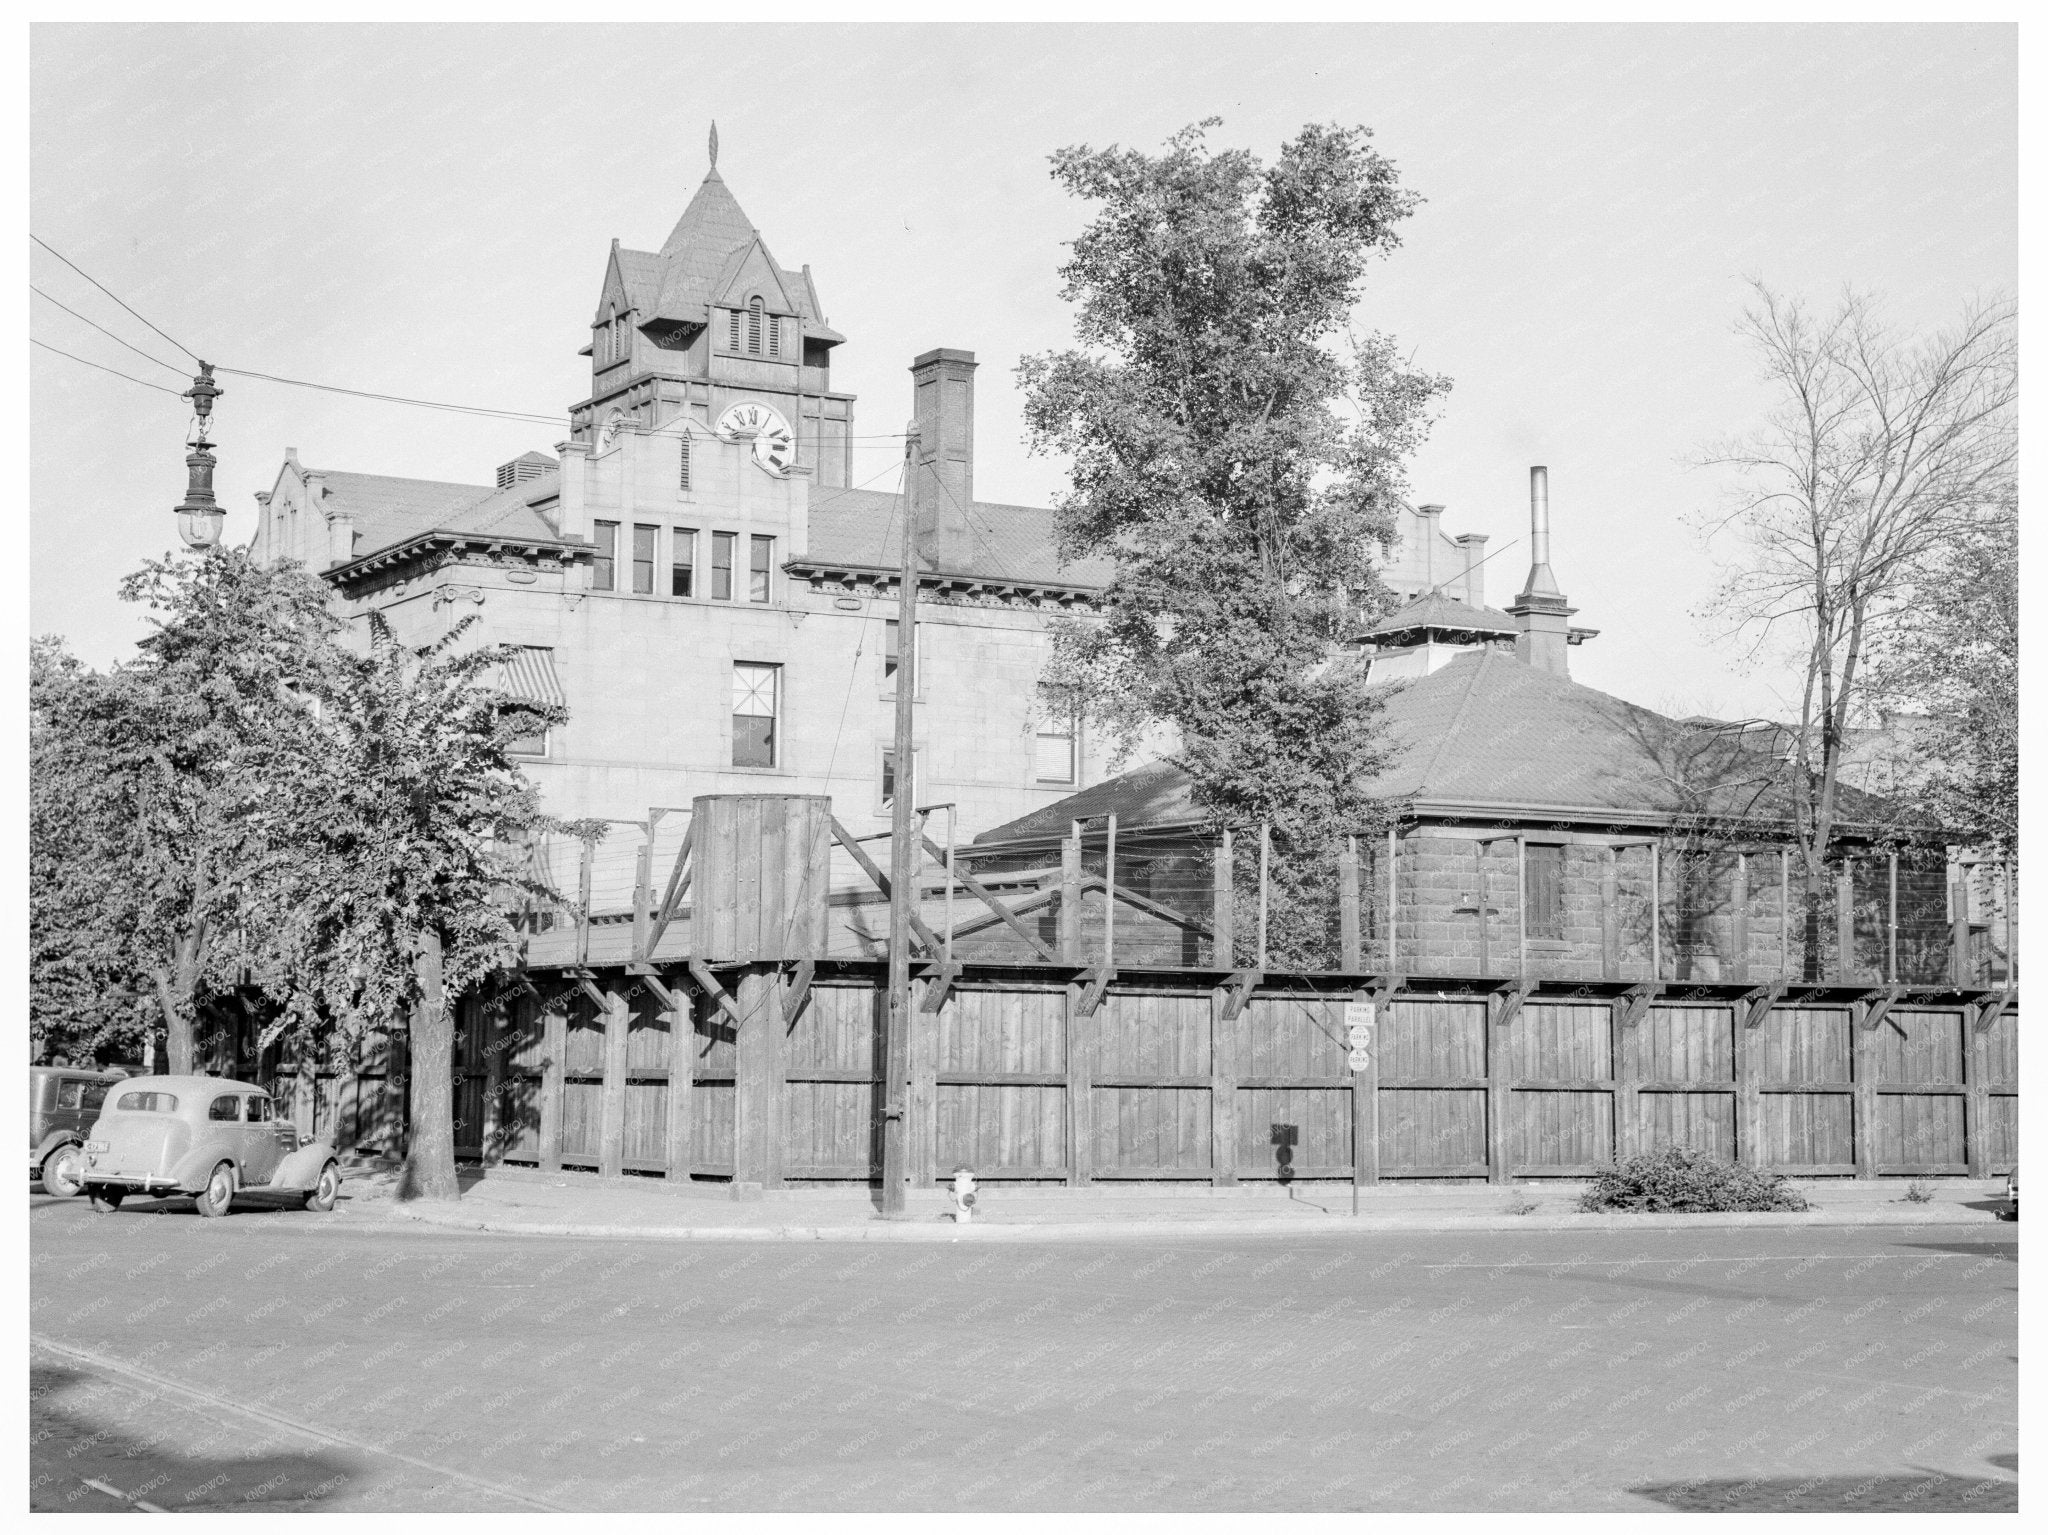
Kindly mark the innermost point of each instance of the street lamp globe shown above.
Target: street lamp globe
(200, 517)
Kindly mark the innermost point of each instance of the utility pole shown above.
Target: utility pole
(903, 860)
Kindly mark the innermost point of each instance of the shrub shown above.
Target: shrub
(1682, 1179)
(1918, 1193)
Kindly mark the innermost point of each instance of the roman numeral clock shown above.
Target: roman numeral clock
(774, 445)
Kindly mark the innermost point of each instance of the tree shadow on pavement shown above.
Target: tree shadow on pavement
(1922, 1492)
(70, 1444)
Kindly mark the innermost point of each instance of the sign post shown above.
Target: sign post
(1359, 1018)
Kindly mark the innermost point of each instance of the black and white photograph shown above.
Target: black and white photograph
(1090, 765)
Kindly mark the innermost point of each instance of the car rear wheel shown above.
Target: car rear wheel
(323, 1194)
(64, 1171)
(106, 1201)
(219, 1192)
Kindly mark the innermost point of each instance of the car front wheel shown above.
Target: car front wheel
(219, 1192)
(323, 1194)
(64, 1171)
(106, 1201)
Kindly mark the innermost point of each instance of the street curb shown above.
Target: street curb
(939, 1231)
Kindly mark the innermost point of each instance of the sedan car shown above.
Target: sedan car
(207, 1137)
(63, 1101)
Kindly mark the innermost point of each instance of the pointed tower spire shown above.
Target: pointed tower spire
(714, 146)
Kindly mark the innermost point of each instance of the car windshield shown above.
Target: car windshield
(147, 1103)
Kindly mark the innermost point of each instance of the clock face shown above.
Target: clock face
(774, 447)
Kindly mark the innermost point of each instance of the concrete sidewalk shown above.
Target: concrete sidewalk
(520, 1200)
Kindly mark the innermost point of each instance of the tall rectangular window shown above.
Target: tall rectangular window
(761, 559)
(643, 558)
(682, 562)
(754, 713)
(605, 561)
(733, 326)
(721, 565)
(892, 655)
(889, 776)
(1056, 753)
(1543, 885)
(683, 480)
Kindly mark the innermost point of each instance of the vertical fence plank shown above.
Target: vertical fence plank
(1080, 1093)
(920, 1127)
(682, 1071)
(1223, 1071)
(1622, 1053)
(1863, 1077)
(494, 1036)
(1749, 1098)
(1498, 1094)
(554, 1059)
(1976, 1100)
(611, 1143)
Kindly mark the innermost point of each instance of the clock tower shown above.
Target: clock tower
(711, 322)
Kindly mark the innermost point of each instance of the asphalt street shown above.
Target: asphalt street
(284, 1360)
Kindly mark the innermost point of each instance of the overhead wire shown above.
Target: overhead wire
(110, 293)
(145, 383)
(138, 351)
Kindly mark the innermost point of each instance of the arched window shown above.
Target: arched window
(754, 326)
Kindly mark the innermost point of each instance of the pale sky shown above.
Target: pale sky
(427, 211)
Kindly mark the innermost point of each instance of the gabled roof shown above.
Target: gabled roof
(1436, 611)
(385, 510)
(863, 528)
(1487, 733)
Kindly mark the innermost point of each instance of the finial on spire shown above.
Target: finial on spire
(714, 145)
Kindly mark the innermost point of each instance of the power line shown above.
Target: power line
(145, 383)
(397, 399)
(138, 351)
(110, 293)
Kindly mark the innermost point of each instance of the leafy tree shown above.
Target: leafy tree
(1953, 657)
(157, 817)
(1878, 450)
(420, 824)
(1237, 453)
(82, 913)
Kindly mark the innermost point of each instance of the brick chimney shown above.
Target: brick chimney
(943, 384)
(1540, 611)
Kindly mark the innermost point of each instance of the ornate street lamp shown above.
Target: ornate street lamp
(199, 516)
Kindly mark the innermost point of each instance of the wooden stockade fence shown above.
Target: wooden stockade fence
(1031, 1074)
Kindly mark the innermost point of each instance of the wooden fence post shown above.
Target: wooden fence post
(1365, 1096)
(1498, 1094)
(611, 1144)
(1738, 932)
(1265, 883)
(1976, 1095)
(1109, 895)
(493, 1036)
(1959, 928)
(1480, 845)
(758, 1090)
(1070, 896)
(1225, 955)
(921, 1122)
(1627, 1104)
(1393, 901)
(1222, 1092)
(1863, 1081)
(1846, 967)
(1749, 1076)
(680, 1146)
(1891, 920)
(1347, 905)
(1080, 1104)
(553, 1068)
(1610, 893)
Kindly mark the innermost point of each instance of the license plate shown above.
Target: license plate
(95, 1145)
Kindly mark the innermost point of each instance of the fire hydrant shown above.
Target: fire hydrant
(963, 1194)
